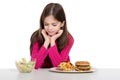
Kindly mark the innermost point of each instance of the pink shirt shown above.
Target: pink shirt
(50, 57)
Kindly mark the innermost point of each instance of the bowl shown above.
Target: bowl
(25, 66)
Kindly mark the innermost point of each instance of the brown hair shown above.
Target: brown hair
(57, 11)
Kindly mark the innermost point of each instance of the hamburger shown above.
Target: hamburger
(82, 66)
(66, 66)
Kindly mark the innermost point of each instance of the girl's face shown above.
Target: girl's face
(51, 25)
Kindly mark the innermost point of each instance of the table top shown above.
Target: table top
(45, 74)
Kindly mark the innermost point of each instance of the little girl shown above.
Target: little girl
(51, 43)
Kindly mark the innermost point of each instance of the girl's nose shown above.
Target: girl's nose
(50, 27)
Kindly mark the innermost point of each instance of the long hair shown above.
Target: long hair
(57, 11)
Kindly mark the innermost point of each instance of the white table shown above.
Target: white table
(45, 74)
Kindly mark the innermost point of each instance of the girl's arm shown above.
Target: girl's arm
(38, 55)
(57, 57)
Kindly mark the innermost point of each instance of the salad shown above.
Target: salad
(25, 66)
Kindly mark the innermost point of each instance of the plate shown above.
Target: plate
(54, 69)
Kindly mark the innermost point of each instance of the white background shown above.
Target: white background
(94, 24)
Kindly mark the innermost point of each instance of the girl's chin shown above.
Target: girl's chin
(51, 34)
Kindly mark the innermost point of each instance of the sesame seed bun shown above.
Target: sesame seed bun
(82, 63)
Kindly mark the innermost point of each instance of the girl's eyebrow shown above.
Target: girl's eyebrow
(55, 23)
(51, 23)
(45, 22)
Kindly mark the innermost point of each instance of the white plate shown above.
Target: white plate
(54, 69)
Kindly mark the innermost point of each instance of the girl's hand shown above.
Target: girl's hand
(46, 37)
(54, 37)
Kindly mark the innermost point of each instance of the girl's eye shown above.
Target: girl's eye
(45, 24)
(54, 25)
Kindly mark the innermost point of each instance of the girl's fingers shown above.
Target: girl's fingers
(44, 33)
(60, 32)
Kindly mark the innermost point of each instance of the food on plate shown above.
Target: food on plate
(25, 66)
(82, 66)
(66, 66)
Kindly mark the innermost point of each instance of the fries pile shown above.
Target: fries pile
(66, 66)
